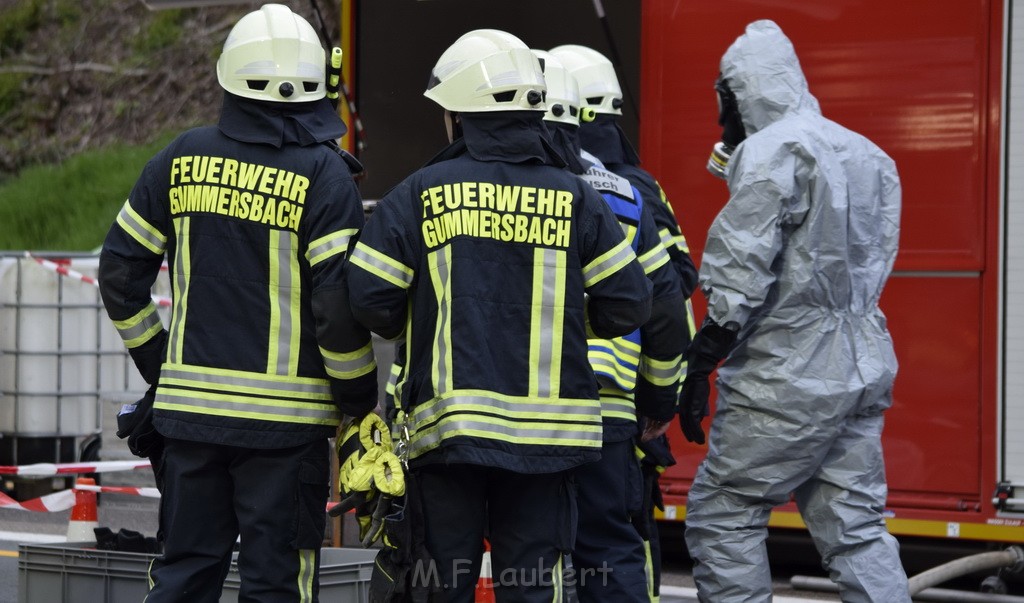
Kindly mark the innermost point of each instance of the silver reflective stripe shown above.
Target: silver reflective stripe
(660, 372)
(139, 229)
(349, 365)
(381, 265)
(545, 278)
(654, 259)
(140, 328)
(180, 282)
(236, 405)
(608, 263)
(242, 381)
(538, 434)
(307, 571)
(283, 291)
(618, 407)
(440, 278)
(555, 409)
(614, 401)
(680, 242)
(328, 246)
(516, 420)
(667, 238)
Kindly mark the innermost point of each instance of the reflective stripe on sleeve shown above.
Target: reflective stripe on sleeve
(670, 239)
(139, 229)
(140, 328)
(608, 263)
(329, 246)
(662, 373)
(654, 259)
(349, 365)
(380, 265)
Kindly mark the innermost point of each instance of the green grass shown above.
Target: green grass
(70, 207)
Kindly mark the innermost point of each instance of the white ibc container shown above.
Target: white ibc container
(59, 353)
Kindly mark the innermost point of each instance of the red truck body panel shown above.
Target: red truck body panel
(924, 81)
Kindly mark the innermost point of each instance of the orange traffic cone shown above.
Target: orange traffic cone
(485, 584)
(83, 515)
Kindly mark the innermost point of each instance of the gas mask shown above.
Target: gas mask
(733, 132)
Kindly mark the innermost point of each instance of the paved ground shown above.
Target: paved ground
(139, 514)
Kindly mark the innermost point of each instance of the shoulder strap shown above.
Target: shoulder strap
(353, 164)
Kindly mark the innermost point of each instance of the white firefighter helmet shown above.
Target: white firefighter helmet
(273, 54)
(599, 86)
(487, 70)
(563, 97)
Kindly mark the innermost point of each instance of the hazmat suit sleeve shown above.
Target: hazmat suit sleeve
(737, 271)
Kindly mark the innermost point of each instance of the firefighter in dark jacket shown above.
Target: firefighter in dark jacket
(261, 359)
(494, 262)
(603, 138)
(638, 374)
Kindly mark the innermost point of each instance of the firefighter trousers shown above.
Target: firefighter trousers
(529, 520)
(275, 500)
(610, 557)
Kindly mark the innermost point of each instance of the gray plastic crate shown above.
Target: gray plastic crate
(75, 573)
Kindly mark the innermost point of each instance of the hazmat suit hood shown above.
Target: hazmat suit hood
(764, 73)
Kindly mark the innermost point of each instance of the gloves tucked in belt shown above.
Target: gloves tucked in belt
(370, 474)
(711, 344)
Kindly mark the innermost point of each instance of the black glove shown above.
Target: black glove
(135, 422)
(729, 118)
(711, 344)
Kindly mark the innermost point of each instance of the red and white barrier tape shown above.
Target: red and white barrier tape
(58, 501)
(147, 492)
(160, 300)
(51, 469)
(65, 499)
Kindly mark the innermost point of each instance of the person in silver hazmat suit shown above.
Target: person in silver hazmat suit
(792, 272)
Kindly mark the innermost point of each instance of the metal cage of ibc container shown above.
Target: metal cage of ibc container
(60, 358)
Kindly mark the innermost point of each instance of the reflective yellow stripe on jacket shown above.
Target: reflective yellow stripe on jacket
(244, 394)
(512, 419)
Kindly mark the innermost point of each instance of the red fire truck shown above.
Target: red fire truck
(937, 85)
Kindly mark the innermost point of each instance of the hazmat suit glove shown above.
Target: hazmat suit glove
(709, 347)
